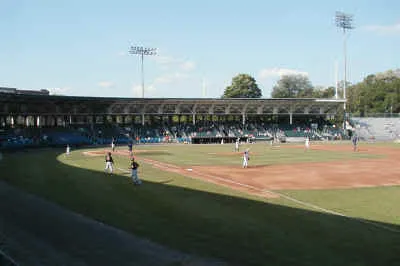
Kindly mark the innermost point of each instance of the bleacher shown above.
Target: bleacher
(381, 129)
(41, 137)
(98, 134)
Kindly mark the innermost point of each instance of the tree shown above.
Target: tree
(377, 93)
(293, 86)
(243, 86)
(323, 92)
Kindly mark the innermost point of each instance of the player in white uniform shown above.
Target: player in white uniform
(307, 144)
(246, 158)
(113, 145)
(68, 150)
(237, 146)
(109, 163)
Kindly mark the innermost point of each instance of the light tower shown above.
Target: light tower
(345, 22)
(142, 51)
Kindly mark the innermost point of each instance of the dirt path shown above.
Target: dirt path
(259, 180)
(323, 175)
(36, 232)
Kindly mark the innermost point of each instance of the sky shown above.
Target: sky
(81, 48)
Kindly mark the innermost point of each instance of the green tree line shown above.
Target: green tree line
(377, 93)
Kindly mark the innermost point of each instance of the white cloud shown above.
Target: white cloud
(105, 84)
(384, 29)
(170, 78)
(165, 60)
(149, 91)
(279, 72)
(161, 84)
(122, 53)
(60, 91)
(169, 62)
(188, 66)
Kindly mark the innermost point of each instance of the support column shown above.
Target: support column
(93, 123)
(291, 118)
(194, 119)
(243, 119)
(64, 121)
(142, 119)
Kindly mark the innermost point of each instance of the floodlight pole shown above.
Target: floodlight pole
(142, 51)
(142, 68)
(344, 22)
(345, 67)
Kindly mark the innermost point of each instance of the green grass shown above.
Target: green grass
(377, 203)
(208, 220)
(186, 155)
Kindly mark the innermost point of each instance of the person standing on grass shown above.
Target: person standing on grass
(68, 150)
(237, 145)
(307, 144)
(246, 158)
(130, 148)
(109, 163)
(134, 167)
(113, 144)
(354, 140)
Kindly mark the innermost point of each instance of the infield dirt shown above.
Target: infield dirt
(261, 179)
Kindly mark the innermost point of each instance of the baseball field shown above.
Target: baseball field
(325, 206)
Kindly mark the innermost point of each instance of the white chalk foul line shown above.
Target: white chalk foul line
(123, 170)
(337, 213)
(2, 253)
(300, 202)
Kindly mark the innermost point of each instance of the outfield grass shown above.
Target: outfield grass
(208, 220)
(263, 154)
(376, 203)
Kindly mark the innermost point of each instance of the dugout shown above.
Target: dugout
(216, 140)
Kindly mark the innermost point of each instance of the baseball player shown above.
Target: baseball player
(354, 140)
(130, 147)
(113, 145)
(237, 145)
(134, 167)
(246, 158)
(68, 150)
(109, 163)
(307, 144)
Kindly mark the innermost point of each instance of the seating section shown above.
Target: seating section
(183, 133)
(383, 129)
(39, 137)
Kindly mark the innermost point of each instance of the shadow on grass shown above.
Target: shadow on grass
(236, 230)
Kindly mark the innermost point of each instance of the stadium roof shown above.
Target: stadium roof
(54, 104)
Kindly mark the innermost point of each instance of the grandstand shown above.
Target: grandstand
(377, 128)
(37, 119)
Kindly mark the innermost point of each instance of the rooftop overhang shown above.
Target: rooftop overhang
(49, 104)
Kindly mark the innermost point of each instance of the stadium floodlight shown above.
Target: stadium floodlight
(142, 51)
(345, 22)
